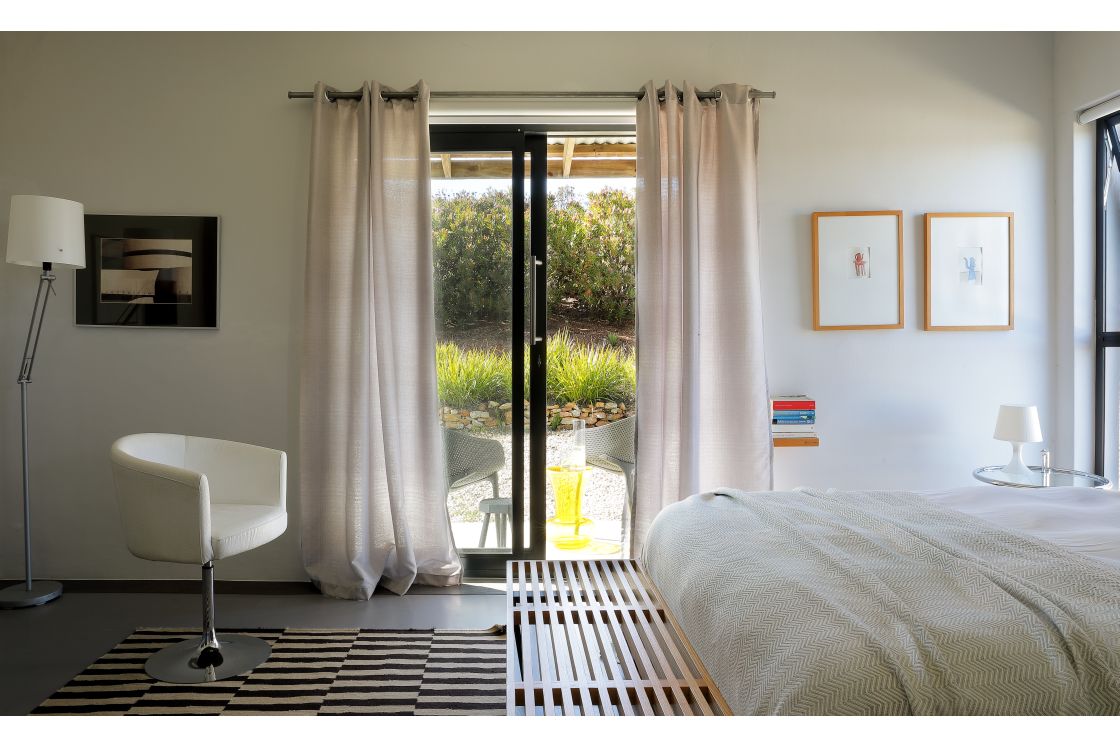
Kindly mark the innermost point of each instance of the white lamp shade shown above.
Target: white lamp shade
(1018, 424)
(46, 229)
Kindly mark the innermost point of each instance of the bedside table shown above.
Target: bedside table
(1041, 477)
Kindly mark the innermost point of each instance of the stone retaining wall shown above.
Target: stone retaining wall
(499, 415)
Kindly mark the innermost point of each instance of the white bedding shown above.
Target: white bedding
(887, 602)
(1085, 520)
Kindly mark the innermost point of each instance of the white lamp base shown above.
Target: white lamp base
(1017, 466)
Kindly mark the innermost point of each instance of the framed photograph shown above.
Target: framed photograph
(970, 271)
(149, 271)
(857, 270)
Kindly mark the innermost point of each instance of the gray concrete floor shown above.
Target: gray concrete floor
(41, 648)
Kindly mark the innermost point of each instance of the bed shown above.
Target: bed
(983, 600)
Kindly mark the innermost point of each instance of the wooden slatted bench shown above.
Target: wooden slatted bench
(594, 637)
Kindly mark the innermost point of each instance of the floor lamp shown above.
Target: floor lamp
(45, 232)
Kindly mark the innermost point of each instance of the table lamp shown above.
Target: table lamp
(1017, 424)
(45, 232)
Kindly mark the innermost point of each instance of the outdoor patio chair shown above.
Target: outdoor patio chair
(472, 459)
(611, 447)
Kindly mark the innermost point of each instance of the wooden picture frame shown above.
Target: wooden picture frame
(970, 271)
(858, 277)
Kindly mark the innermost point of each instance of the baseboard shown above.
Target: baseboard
(190, 586)
(177, 586)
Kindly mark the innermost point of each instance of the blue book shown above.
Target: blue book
(794, 413)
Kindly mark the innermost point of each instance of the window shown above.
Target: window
(1107, 376)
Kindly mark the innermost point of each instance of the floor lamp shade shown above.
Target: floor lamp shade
(46, 229)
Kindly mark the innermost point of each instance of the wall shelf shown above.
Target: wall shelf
(809, 439)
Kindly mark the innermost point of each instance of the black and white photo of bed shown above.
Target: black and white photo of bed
(145, 270)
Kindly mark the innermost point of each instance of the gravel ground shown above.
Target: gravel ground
(604, 493)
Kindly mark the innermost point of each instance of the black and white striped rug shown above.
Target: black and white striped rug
(310, 672)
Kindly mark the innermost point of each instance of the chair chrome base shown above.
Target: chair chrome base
(212, 657)
(178, 663)
(41, 592)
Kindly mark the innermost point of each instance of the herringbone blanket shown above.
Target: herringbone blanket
(813, 602)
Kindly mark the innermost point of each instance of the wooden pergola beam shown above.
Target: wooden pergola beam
(568, 160)
(601, 150)
(501, 169)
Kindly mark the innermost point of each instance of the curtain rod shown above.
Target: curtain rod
(335, 95)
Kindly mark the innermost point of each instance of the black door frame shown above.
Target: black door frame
(519, 140)
(490, 138)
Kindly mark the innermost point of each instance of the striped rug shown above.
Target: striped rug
(310, 672)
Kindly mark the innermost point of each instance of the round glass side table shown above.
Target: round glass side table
(1041, 477)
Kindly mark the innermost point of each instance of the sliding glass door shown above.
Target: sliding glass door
(535, 363)
(591, 353)
(486, 265)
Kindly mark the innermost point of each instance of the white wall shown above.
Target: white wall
(180, 123)
(1086, 71)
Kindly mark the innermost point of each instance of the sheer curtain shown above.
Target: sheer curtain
(703, 407)
(373, 485)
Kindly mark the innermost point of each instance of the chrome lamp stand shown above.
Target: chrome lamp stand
(30, 593)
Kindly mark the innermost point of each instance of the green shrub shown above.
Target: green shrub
(466, 378)
(575, 373)
(562, 349)
(473, 257)
(588, 373)
(590, 255)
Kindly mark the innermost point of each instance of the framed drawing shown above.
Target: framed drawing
(149, 271)
(970, 271)
(857, 270)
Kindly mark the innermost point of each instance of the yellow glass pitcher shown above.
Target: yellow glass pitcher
(569, 529)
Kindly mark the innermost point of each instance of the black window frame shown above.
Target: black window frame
(1107, 153)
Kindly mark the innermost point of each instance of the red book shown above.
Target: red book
(795, 404)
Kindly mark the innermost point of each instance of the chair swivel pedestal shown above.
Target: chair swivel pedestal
(213, 657)
(196, 500)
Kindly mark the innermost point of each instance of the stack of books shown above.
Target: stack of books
(793, 416)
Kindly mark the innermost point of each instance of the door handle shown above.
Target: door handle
(538, 335)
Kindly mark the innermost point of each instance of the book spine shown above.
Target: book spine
(801, 404)
(794, 413)
(778, 430)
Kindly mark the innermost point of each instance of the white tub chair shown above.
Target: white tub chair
(185, 499)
